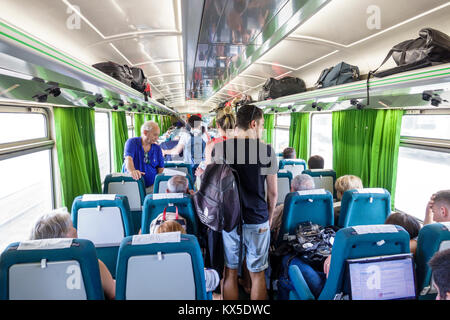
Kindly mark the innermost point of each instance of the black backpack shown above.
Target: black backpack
(139, 81)
(274, 88)
(339, 74)
(117, 71)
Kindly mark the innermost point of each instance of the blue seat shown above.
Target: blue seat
(323, 178)
(351, 243)
(50, 269)
(295, 166)
(161, 183)
(364, 206)
(432, 238)
(104, 219)
(123, 183)
(166, 266)
(154, 205)
(302, 206)
(180, 166)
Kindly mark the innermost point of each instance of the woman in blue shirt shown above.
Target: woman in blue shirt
(143, 157)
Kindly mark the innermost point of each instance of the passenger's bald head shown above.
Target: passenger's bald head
(149, 126)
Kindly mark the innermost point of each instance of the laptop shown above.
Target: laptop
(389, 277)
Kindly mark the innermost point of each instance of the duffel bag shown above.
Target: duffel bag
(117, 71)
(274, 88)
(139, 81)
(339, 74)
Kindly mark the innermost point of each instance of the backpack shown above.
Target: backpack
(217, 202)
(165, 216)
(117, 71)
(339, 74)
(195, 141)
(274, 88)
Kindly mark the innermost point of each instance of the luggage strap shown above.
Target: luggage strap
(165, 211)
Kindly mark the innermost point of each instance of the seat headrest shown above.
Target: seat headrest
(370, 190)
(311, 192)
(171, 172)
(376, 228)
(159, 196)
(45, 244)
(98, 197)
(175, 162)
(283, 171)
(156, 238)
(321, 170)
(446, 225)
(120, 174)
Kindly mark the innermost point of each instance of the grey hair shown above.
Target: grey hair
(147, 126)
(303, 182)
(55, 224)
(177, 184)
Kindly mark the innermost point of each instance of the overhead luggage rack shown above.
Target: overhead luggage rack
(399, 90)
(28, 64)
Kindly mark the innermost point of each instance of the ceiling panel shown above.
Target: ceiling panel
(112, 17)
(265, 71)
(294, 54)
(157, 81)
(346, 21)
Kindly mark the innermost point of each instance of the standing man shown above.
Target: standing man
(143, 157)
(255, 163)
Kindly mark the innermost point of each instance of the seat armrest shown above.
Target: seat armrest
(301, 288)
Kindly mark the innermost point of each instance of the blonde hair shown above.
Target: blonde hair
(170, 226)
(55, 224)
(226, 119)
(348, 182)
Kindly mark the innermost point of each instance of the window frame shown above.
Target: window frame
(420, 143)
(311, 115)
(279, 127)
(130, 127)
(108, 113)
(20, 148)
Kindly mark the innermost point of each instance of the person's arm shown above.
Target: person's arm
(326, 265)
(429, 216)
(108, 283)
(129, 164)
(272, 194)
(160, 167)
(175, 151)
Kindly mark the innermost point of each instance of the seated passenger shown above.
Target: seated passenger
(342, 184)
(440, 270)
(409, 223)
(299, 183)
(143, 156)
(177, 184)
(438, 208)
(211, 276)
(315, 162)
(59, 225)
(289, 153)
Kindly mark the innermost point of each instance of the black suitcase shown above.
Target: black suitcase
(117, 71)
(274, 88)
(139, 81)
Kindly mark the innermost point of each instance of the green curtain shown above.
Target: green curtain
(77, 153)
(139, 119)
(120, 136)
(366, 144)
(269, 124)
(148, 117)
(214, 122)
(299, 134)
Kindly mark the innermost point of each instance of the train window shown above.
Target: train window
(130, 125)
(420, 173)
(25, 194)
(426, 126)
(321, 137)
(283, 121)
(16, 127)
(102, 141)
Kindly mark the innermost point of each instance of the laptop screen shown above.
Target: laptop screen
(382, 278)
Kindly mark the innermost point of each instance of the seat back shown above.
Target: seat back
(162, 179)
(295, 166)
(123, 183)
(432, 238)
(166, 266)
(104, 219)
(50, 269)
(180, 166)
(361, 242)
(154, 205)
(284, 179)
(364, 206)
(310, 205)
(323, 179)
